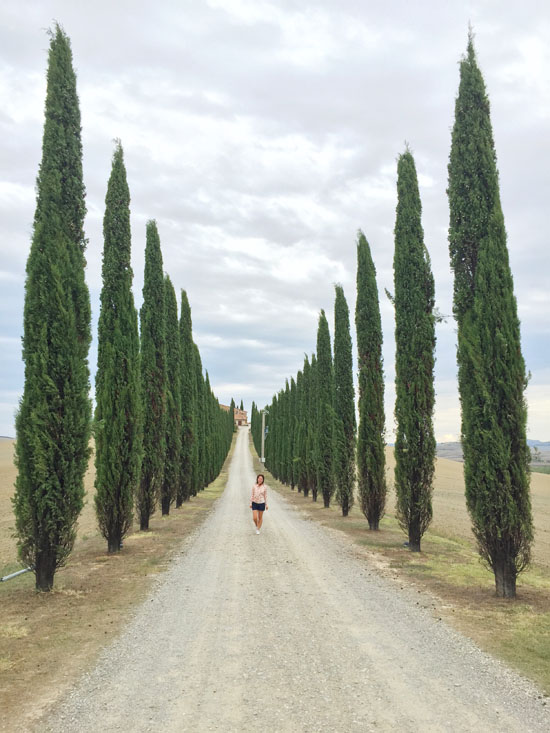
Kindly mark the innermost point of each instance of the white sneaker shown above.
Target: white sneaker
(257, 531)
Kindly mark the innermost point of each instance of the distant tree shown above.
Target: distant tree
(303, 389)
(172, 463)
(414, 360)
(200, 412)
(344, 405)
(292, 468)
(491, 370)
(325, 412)
(312, 421)
(242, 405)
(153, 378)
(370, 438)
(118, 434)
(53, 422)
(188, 417)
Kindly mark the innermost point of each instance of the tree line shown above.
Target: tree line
(160, 433)
(312, 442)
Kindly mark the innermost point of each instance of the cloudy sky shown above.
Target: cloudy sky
(261, 134)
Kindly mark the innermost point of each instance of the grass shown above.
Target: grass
(49, 639)
(540, 469)
(449, 568)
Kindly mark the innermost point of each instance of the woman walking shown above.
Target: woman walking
(258, 501)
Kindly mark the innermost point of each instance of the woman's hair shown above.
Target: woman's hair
(258, 476)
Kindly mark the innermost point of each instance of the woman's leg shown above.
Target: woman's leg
(255, 513)
(260, 519)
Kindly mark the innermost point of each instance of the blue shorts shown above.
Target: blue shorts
(258, 507)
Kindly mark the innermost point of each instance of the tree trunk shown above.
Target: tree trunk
(374, 525)
(165, 505)
(505, 578)
(44, 570)
(345, 510)
(306, 492)
(144, 522)
(326, 501)
(414, 536)
(179, 502)
(114, 542)
(314, 494)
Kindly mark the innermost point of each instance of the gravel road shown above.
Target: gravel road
(288, 631)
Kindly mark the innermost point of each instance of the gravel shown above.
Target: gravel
(289, 631)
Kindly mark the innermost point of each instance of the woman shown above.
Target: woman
(258, 501)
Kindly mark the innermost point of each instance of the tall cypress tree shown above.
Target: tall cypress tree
(153, 378)
(200, 413)
(312, 421)
(491, 370)
(414, 360)
(293, 466)
(53, 422)
(370, 438)
(325, 412)
(187, 379)
(118, 435)
(172, 464)
(303, 390)
(344, 405)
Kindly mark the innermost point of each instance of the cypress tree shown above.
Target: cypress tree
(242, 405)
(292, 468)
(172, 464)
(491, 370)
(325, 412)
(153, 378)
(311, 441)
(414, 360)
(344, 405)
(370, 438)
(53, 421)
(232, 414)
(200, 413)
(303, 428)
(187, 387)
(118, 436)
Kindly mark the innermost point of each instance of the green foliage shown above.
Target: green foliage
(371, 478)
(118, 435)
(311, 424)
(325, 412)
(188, 471)
(172, 464)
(414, 360)
(491, 370)
(53, 422)
(153, 378)
(344, 405)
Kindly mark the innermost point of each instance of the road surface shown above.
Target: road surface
(288, 631)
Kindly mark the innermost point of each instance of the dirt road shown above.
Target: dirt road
(288, 631)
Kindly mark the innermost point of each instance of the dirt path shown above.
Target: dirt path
(287, 631)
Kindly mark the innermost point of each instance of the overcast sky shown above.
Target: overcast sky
(261, 135)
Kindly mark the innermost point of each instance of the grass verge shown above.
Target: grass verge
(48, 639)
(518, 632)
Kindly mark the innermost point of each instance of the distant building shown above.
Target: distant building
(240, 416)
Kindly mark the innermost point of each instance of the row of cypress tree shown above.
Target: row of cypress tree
(306, 436)
(158, 427)
(160, 434)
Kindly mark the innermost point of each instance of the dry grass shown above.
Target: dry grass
(449, 568)
(46, 640)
